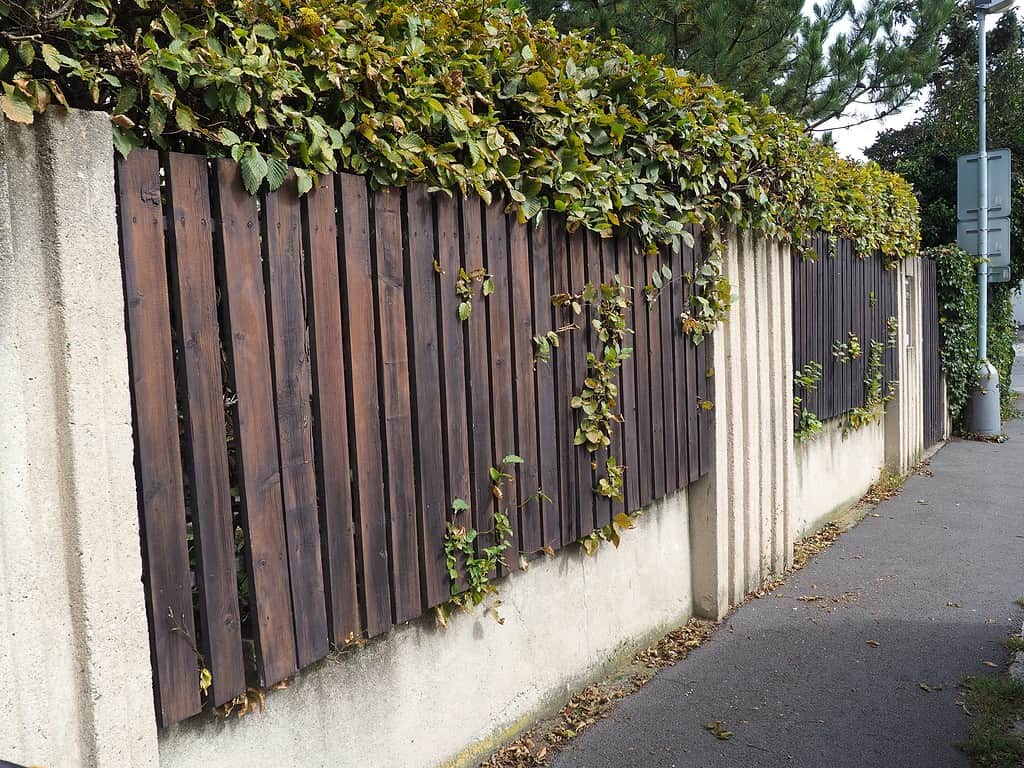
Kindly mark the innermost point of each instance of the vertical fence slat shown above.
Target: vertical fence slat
(361, 343)
(195, 296)
(686, 370)
(668, 378)
(630, 457)
(642, 367)
(426, 377)
(158, 457)
(396, 404)
(597, 275)
(565, 384)
(259, 479)
(658, 454)
(293, 388)
(613, 272)
(544, 314)
(499, 318)
(330, 412)
(478, 376)
(525, 399)
(454, 404)
(583, 481)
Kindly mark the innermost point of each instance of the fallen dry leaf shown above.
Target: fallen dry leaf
(873, 643)
(990, 664)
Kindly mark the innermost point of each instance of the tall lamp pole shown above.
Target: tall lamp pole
(984, 412)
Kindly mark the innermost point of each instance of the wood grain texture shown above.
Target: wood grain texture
(248, 349)
(330, 412)
(157, 450)
(282, 244)
(194, 293)
(365, 411)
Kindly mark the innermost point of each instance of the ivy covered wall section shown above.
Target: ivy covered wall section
(464, 96)
(956, 274)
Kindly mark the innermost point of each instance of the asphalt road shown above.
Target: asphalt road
(930, 582)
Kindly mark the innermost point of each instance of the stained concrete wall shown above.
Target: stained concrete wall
(833, 471)
(74, 648)
(424, 696)
(739, 514)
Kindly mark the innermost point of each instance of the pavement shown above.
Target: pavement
(855, 660)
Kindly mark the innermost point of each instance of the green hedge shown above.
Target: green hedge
(956, 277)
(463, 95)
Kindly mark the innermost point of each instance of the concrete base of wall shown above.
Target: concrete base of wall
(420, 695)
(833, 472)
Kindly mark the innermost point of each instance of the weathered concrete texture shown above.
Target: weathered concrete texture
(73, 637)
(740, 525)
(424, 696)
(931, 581)
(833, 471)
(904, 415)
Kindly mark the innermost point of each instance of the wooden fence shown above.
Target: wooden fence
(932, 389)
(307, 404)
(842, 301)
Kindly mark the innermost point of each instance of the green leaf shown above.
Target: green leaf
(304, 181)
(412, 142)
(50, 57)
(27, 53)
(488, 286)
(5, 58)
(460, 505)
(465, 310)
(171, 22)
(512, 459)
(277, 173)
(254, 169)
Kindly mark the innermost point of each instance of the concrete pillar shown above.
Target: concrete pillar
(74, 647)
(904, 415)
(740, 528)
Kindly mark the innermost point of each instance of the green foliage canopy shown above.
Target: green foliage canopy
(463, 95)
(814, 62)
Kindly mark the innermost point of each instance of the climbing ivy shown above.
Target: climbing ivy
(874, 398)
(463, 95)
(956, 272)
(805, 381)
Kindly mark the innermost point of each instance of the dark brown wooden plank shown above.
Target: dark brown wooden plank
(628, 428)
(282, 248)
(478, 373)
(561, 283)
(652, 263)
(544, 319)
(454, 404)
(685, 426)
(612, 273)
(642, 367)
(330, 412)
(502, 387)
(706, 392)
(250, 378)
(195, 296)
(364, 415)
(525, 398)
(399, 470)
(597, 276)
(428, 396)
(157, 451)
(584, 478)
(668, 376)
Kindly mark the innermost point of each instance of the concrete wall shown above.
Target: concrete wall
(740, 524)
(74, 648)
(424, 696)
(833, 471)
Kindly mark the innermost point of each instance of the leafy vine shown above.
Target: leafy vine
(805, 381)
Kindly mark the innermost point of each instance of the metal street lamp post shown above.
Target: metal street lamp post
(984, 417)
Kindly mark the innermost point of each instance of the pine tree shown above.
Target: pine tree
(840, 57)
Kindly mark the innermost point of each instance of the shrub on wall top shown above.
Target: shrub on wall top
(460, 94)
